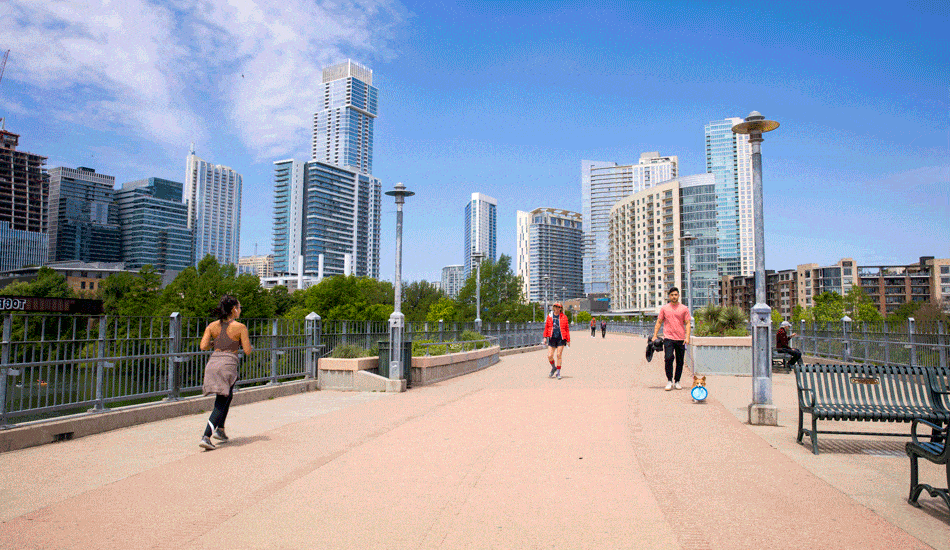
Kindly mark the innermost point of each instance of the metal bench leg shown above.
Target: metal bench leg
(915, 489)
(814, 435)
(801, 433)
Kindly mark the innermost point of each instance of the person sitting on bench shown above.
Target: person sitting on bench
(782, 338)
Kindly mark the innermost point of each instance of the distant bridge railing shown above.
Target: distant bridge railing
(54, 365)
(907, 343)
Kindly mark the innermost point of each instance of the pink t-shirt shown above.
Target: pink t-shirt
(674, 321)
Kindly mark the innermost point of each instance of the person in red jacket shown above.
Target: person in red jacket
(557, 334)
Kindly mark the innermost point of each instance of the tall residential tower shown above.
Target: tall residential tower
(550, 254)
(213, 195)
(603, 184)
(729, 160)
(343, 127)
(481, 230)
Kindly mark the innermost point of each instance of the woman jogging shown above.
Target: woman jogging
(558, 335)
(227, 336)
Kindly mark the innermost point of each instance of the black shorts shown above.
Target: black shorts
(556, 342)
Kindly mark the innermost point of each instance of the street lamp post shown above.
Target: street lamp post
(761, 411)
(546, 280)
(397, 320)
(688, 239)
(478, 256)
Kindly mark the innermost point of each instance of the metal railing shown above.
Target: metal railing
(881, 343)
(53, 365)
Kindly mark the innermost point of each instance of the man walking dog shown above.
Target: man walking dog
(675, 319)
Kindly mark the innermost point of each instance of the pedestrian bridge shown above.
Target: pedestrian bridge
(502, 458)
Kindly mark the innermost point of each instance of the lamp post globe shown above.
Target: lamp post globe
(761, 411)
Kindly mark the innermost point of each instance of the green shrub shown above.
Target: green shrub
(348, 351)
(714, 320)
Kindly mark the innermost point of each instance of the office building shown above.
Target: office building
(343, 127)
(20, 248)
(453, 279)
(729, 160)
(603, 184)
(260, 266)
(550, 254)
(213, 195)
(154, 225)
(83, 217)
(647, 250)
(326, 219)
(481, 230)
(24, 196)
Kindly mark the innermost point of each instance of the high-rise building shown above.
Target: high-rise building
(329, 215)
(453, 279)
(288, 215)
(213, 195)
(343, 127)
(550, 254)
(24, 196)
(729, 160)
(83, 216)
(261, 266)
(154, 224)
(603, 184)
(647, 250)
(481, 230)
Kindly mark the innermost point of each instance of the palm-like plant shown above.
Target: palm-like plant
(715, 320)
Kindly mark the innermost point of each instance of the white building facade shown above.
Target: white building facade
(603, 184)
(213, 195)
(453, 279)
(481, 230)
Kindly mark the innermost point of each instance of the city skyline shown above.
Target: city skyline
(507, 102)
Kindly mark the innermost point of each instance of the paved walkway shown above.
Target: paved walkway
(503, 458)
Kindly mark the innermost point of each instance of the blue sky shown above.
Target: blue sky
(506, 98)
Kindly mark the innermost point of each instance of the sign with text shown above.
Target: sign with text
(32, 304)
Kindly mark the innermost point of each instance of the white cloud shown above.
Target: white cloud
(172, 71)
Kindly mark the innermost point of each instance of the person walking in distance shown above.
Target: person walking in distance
(557, 334)
(226, 336)
(593, 327)
(675, 319)
(603, 329)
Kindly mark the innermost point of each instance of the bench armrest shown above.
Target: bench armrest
(934, 427)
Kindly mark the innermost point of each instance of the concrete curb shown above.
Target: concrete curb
(80, 425)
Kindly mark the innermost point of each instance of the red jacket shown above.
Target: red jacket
(549, 328)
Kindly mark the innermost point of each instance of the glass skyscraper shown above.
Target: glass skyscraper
(481, 230)
(603, 184)
(729, 160)
(154, 223)
(83, 217)
(343, 127)
(213, 195)
(328, 214)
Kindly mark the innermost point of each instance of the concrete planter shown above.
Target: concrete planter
(432, 369)
(721, 355)
(340, 374)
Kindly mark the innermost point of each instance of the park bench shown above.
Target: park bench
(871, 393)
(936, 451)
(780, 360)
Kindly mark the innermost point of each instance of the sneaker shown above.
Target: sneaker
(220, 435)
(206, 443)
(669, 386)
(677, 386)
(558, 376)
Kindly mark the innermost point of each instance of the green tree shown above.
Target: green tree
(47, 284)
(283, 300)
(501, 294)
(860, 307)
(800, 313)
(347, 298)
(132, 294)
(582, 318)
(443, 309)
(776, 318)
(905, 311)
(418, 297)
(829, 307)
(197, 290)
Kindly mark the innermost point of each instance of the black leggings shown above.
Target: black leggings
(794, 353)
(671, 348)
(222, 404)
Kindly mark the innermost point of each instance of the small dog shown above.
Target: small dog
(699, 380)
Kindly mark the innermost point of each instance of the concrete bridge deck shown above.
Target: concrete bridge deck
(503, 458)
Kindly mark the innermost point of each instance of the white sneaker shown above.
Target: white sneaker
(669, 386)
(677, 386)
(206, 443)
